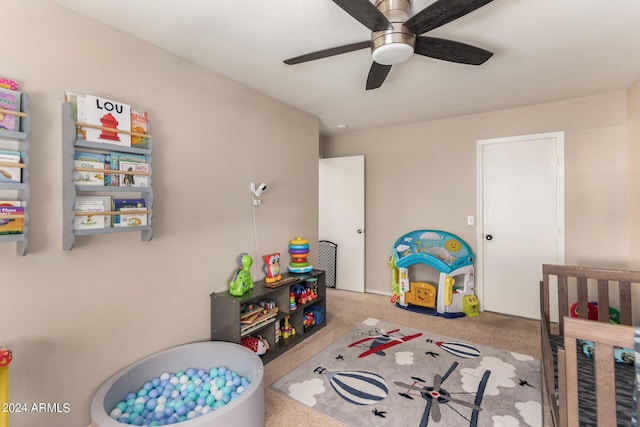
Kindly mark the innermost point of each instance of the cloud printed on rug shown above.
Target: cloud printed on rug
(501, 374)
(306, 391)
(531, 413)
(404, 358)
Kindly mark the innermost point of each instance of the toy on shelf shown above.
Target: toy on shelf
(6, 356)
(302, 294)
(308, 321)
(254, 316)
(312, 285)
(271, 267)
(443, 251)
(258, 345)
(299, 250)
(242, 281)
(292, 301)
(287, 330)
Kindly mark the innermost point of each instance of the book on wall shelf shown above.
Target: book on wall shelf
(92, 204)
(83, 163)
(111, 116)
(130, 218)
(10, 101)
(134, 180)
(10, 84)
(9, 173)
(115, 158)
(11, 217)
(139, 124)
(79, 105)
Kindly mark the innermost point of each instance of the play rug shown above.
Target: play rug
(381, 374)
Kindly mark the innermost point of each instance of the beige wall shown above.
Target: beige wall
(633, 104)
(423, 176)
(74, 318)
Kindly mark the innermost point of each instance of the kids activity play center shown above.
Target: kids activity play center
(453, 295)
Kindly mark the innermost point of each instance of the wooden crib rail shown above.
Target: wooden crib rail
(605, 336)
(582, 275)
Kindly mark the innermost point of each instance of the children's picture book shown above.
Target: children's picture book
(8, 224)
(133, 219)
(10, 173)
(8, 84)
(9, 100)
(139, 124)
(111, 116)
(129, 219)
(104, 201)
(83, 162)
(79, 104)
(116, 157)
(89, 221)
(127, 180)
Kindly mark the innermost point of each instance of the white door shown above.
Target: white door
(341, 216)
(521, 219)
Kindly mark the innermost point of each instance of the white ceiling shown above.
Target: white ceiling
(544, 51)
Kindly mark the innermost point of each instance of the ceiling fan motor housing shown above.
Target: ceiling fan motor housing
(395, 45)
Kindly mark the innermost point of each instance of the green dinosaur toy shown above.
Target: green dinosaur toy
(242, 281)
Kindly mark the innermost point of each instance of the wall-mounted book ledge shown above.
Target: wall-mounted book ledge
(87, 125)
(86, 213)
(13, 165)
(13, 113)
(107, 171)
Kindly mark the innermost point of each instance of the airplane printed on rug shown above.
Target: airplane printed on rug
(382, 340)
(436, 395)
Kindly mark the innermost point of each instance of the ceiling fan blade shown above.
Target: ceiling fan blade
(440, 13)
(377, 74)
(328, 52)
(366, 13)
(449, 50)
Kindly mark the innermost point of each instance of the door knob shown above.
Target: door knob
(489, 237)
(360, 230)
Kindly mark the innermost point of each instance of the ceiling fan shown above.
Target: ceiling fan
(395, 37)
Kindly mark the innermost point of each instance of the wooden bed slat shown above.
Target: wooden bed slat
(583, 298)
(603, 299)
(562, 384)
(606, 384)
(625, 303)
(563, 302)
(544, 298)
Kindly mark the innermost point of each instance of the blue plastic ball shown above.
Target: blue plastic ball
(181, 410)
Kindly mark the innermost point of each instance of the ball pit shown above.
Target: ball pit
(169, 388)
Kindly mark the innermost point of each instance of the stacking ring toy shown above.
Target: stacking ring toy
(299, 264)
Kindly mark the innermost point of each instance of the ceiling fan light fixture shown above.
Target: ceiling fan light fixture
(392, 53)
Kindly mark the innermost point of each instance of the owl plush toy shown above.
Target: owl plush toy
(272, 267)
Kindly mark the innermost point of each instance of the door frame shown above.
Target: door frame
(559, 136)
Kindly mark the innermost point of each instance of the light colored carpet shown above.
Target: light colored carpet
(345, 310)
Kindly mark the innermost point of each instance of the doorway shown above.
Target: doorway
(341, 217)
(520, 219)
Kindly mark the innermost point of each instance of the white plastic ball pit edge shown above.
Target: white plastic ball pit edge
(246, 410)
